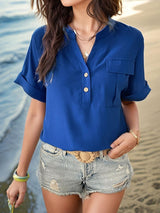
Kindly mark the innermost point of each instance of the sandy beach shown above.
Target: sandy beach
(143, 196)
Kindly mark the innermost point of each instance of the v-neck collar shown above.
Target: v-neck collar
(103, 32)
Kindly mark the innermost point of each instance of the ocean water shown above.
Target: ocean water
(17, 23)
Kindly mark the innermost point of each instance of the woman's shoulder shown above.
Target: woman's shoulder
(128, 30)
(39, 32)
(36, 39)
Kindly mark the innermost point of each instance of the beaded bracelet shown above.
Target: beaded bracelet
(19, 178)
(134, 135)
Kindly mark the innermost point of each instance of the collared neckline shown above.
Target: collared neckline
(103, 32)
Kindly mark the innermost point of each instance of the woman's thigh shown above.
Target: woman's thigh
(101, 202)
(62, 204)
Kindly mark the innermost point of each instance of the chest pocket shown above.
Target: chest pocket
(118, 71)
(121, 66)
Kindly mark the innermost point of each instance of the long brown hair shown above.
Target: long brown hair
(57, 16)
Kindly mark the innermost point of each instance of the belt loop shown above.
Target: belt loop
(101, 154)
(64, 152)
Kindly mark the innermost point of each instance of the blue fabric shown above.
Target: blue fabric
(27, 78)
(92, 120)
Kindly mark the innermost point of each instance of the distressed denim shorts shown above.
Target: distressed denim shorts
(61, 173)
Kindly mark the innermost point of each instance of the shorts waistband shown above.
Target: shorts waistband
(83, 156)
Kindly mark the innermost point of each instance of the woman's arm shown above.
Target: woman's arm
(126, 141)
(33, 127)
(131, 114)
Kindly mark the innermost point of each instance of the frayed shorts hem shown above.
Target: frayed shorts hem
(85, 195)
(62, 193)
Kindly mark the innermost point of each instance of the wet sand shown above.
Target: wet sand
(143, 196)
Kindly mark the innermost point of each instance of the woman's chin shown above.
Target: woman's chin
(66, 3)
(69, 3)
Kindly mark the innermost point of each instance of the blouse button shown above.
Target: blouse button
(85, 74)
(86, 89)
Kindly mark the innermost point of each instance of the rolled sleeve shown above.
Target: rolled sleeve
(138, 87)
(28, 78)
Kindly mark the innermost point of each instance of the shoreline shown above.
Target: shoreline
(143, 194)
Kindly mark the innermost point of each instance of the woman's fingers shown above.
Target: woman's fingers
(20, 199)
(117, 142)
(16, 193)
(12, 196)
(122, 145)
(116, 152)
(12, 200)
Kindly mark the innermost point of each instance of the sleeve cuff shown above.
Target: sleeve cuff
(138, 96)
(29, 89)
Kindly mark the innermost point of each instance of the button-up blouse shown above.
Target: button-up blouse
(83, 98)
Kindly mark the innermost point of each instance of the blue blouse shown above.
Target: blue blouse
(83, 99)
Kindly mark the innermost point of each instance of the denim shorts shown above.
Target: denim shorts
(63, 174)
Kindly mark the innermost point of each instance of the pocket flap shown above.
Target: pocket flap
(124, 66)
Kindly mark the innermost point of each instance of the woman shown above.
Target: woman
(84, 71)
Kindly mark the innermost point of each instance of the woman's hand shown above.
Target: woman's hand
(16, 193)
(123, 144)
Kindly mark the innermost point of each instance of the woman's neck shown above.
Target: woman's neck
(82, 21)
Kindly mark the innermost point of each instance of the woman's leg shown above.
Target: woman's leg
(103, 203)
(62, 204)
